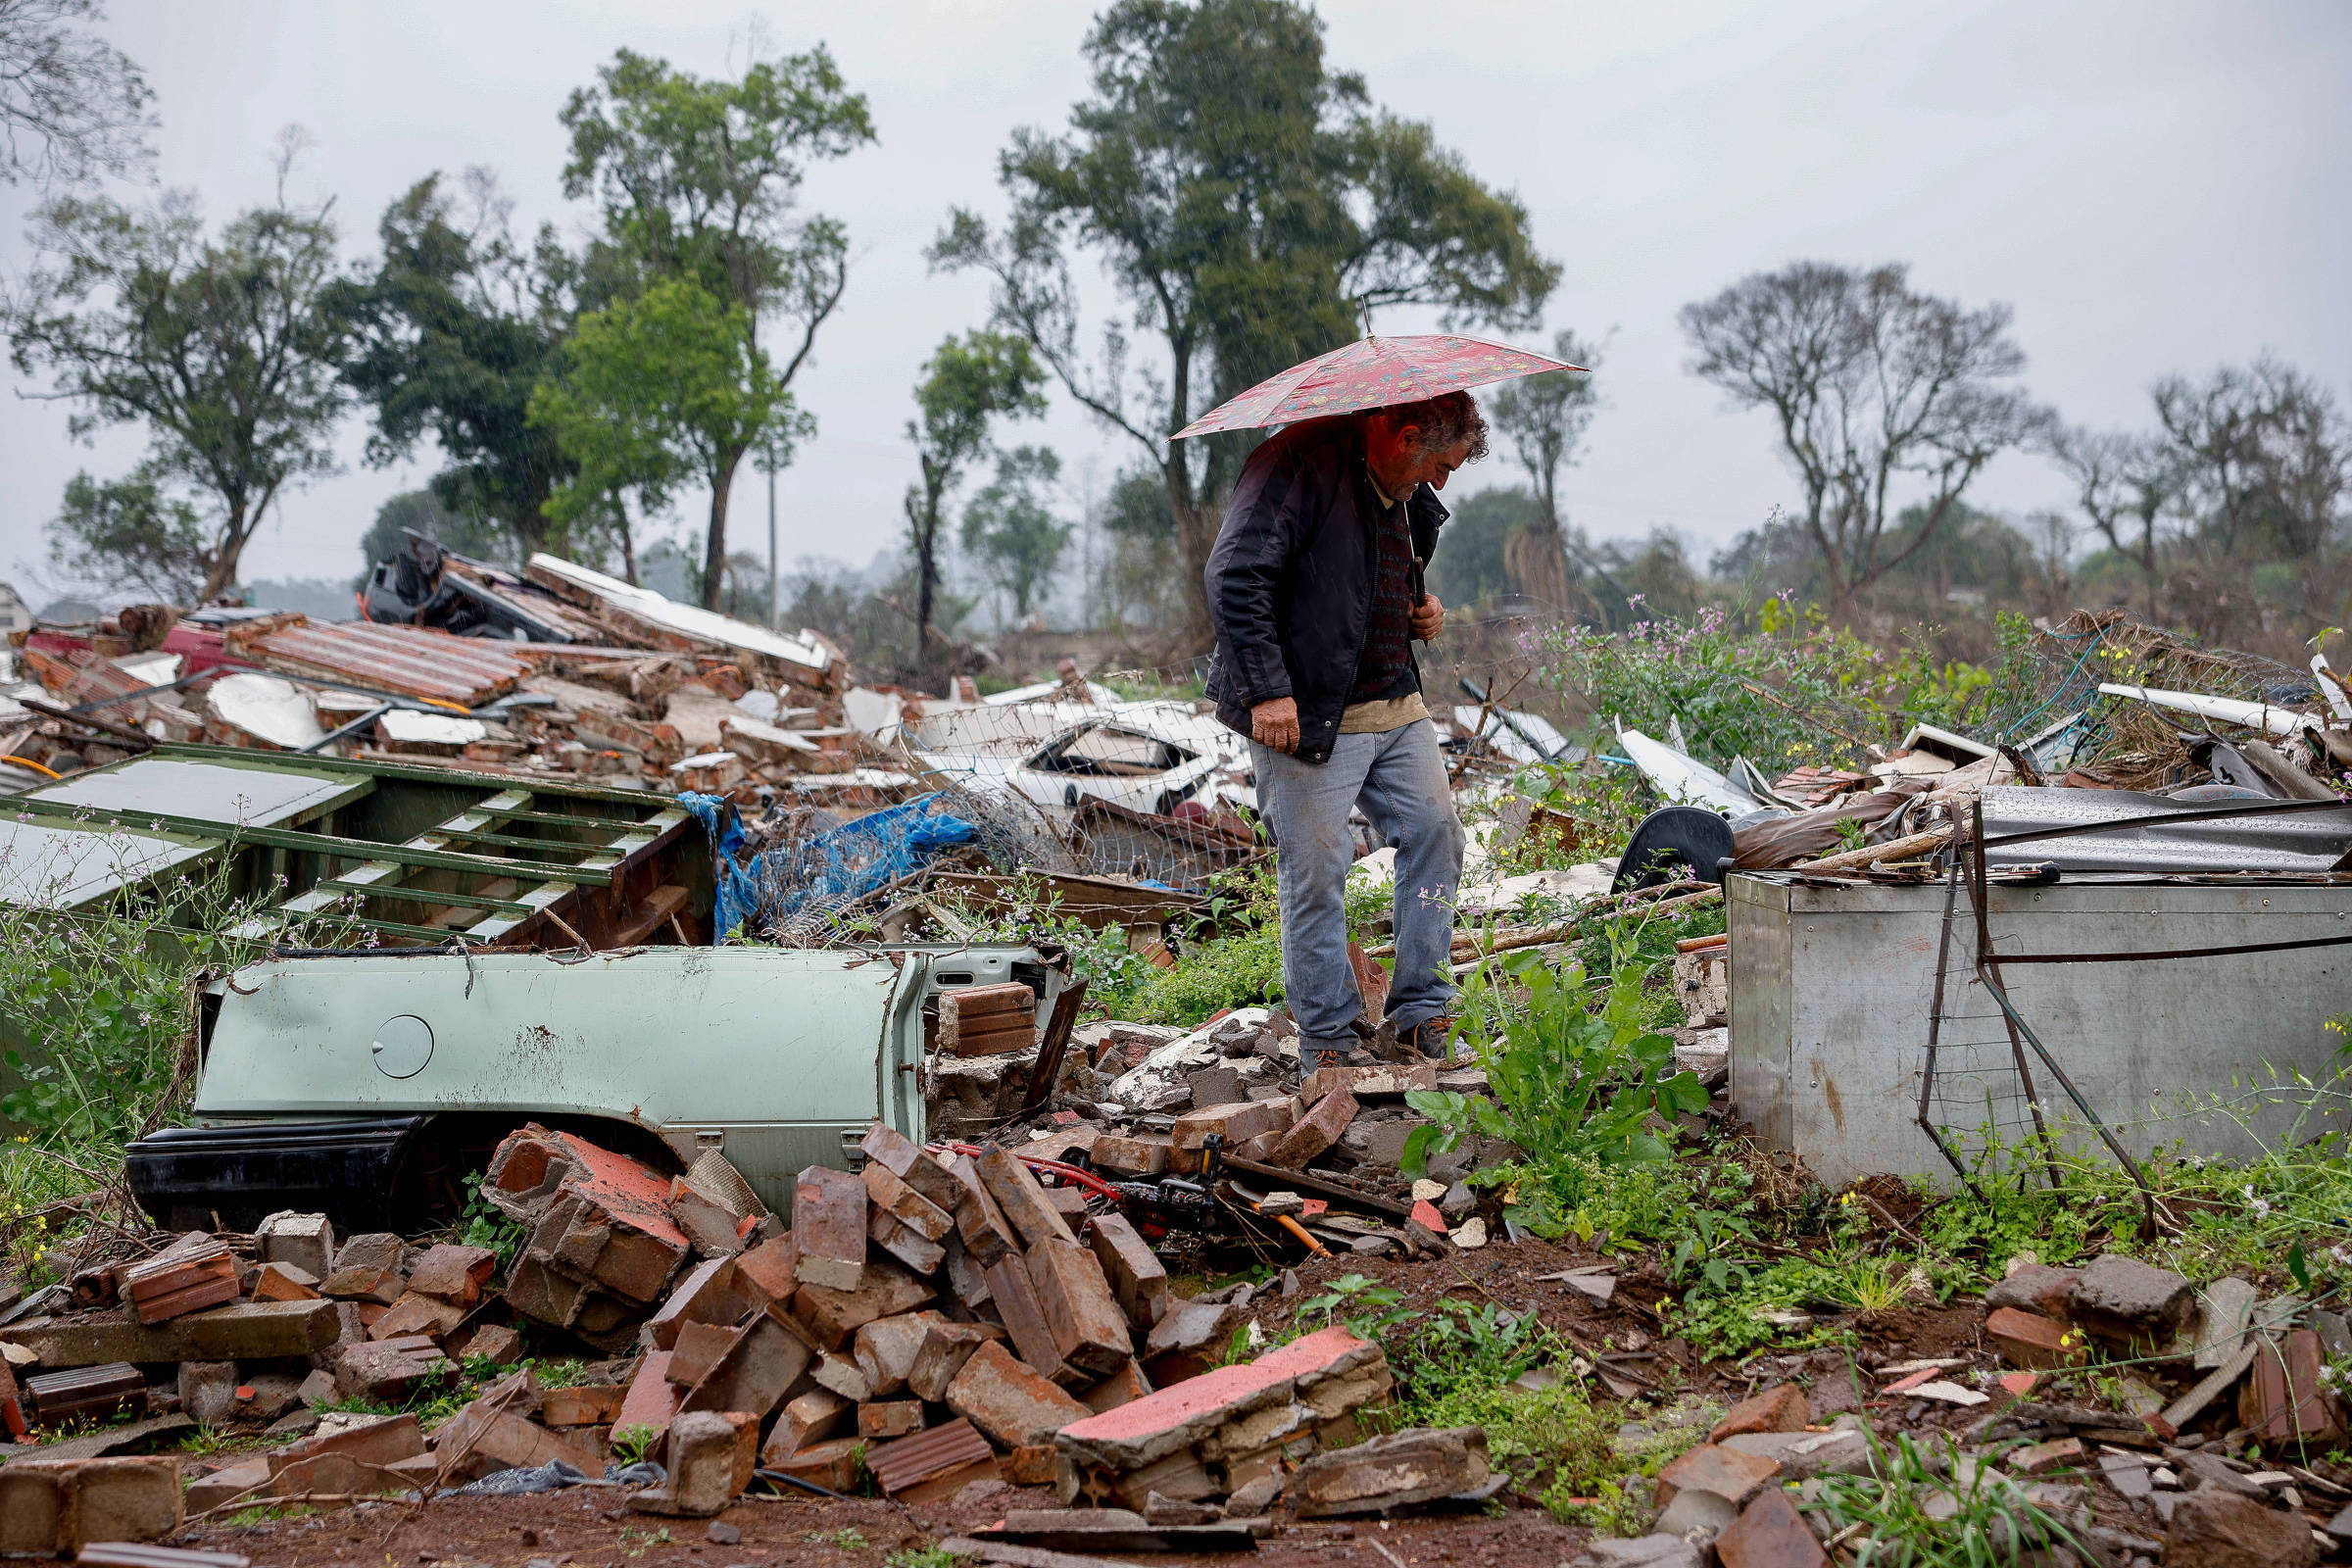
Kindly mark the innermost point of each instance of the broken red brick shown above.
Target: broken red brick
(1019, 1197)
(1137, 1278)
(1088, 1330)
(828, 1224)
(1315, 1132)
(1010, 1401)
(2027, 1340)
(1782, 1407)
(831, 1316)
(454, 1274)
(892, 1196)
(652, 1401)
(888, 1418)
(903, 1158)
(1236, 1124)
(1024, 1319)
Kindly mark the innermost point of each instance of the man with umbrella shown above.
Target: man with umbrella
(1315, 587)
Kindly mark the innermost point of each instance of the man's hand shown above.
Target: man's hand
(1275, 723)
(1429, 618)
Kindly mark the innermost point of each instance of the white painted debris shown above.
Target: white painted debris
(267, 708)
(409, 727)
(2279, 722)
(1681, 778)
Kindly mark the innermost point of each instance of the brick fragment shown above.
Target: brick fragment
(1138, 1279)
(804, 1420)
(1021, 1198)
(1385, 1079)
(767, 1269)
(828, 1224)
(1030, 1465)
(1088, 1330)
(982, 1020)
(1143, 1154)
(208, 1391)
(711, 1291)
(415, 1314)
(831, 1316)
(834, 1462)
(1314, 1132)
(905, 1243)
(881, 1419)
(586, 1404)
(348, 1461)
(453, 1273)
(1126, 1384)
(1188, 1335)
(934, 1465)
(984, 1231)
(284, 1282)
(885, 1349)
(1024, 1318)
(1237, 1124)
(305, 1242)
(768, 1365)
(2284, 1402)
(892, 1196)
(59, 1507)
(701, 1459)
(944, 1347)
(906, 1159)
(1177, 1416)
(1394, 1471)
(388, 1372)
(2028, 1340)
(1780, 1408)
(841, 1375)
(1729, 1474)
(1770, 1534)
(652, 1401)
(1008, 1400)
(697, 1349)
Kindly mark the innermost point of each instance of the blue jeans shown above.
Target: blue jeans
(1399, 780)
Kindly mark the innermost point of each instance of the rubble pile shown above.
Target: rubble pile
(937, 1317)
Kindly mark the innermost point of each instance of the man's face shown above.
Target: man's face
(1399, 460)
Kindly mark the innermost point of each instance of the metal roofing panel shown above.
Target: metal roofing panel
(416, 662)
(2300, 841)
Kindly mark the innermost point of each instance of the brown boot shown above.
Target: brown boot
(1429, 1038)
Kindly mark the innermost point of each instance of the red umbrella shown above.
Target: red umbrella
(1375, 374)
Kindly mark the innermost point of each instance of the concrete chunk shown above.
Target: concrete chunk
(699, 1456)
(1174, 1418)
(1394, 1471)
(828, 1224)
(1009, 1400)
(59, 1507)
(304, 1241)
(2125, 1302)
(883, 1419)
(710, 1292)
(251, 1331)
(803, 1421)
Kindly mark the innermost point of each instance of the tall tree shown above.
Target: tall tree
(656, 390)
(219, 346)
(71, 106)
(1251, 208)
(449, 331)
(1010, 527)
(1545, 418)
(968, 384)
(2122, 479)
(2263, 456)
(1872, 384)
(700, 182)
(131, 534)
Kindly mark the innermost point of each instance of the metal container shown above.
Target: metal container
(1833, 988)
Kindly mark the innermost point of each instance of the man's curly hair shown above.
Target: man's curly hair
(1446, 420)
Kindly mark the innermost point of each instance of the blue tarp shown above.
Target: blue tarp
(827, 870)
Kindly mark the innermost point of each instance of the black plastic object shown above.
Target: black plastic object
(1674, 842)
(203, 1178)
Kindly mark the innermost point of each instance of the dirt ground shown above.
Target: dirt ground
(593, 1527)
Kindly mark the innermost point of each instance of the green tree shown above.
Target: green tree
(219, 346)
(654, 391)
(1010, 527)
(968, 385)
(1545, 418)
(700, 183)
(1250, 205)
(131, 534)
(450, 330)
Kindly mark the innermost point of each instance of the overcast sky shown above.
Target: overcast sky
(2153, 185)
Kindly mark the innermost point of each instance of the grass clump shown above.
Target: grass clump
(1960, 1513)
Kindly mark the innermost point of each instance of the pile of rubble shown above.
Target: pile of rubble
(937, 1317)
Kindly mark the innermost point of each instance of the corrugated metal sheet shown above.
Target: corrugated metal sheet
(2304, 842)
(468, 671)
(912, 1460)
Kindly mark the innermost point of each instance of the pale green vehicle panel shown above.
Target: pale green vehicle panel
(779, 1057)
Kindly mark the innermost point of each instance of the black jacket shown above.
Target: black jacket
(1289, 579)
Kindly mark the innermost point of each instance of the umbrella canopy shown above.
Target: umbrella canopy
(1375, 374)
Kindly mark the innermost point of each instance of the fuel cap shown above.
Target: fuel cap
(403, 1044)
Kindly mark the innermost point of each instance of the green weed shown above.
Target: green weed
(1961, 1514)
(633, 1445)
(931, 1556)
